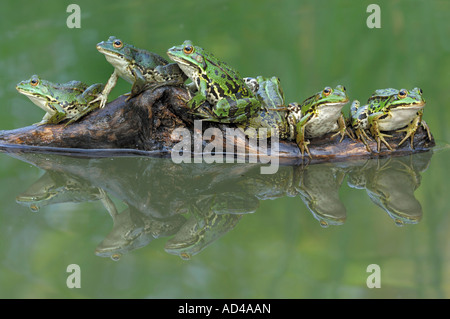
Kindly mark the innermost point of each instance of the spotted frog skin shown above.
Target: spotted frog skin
(273, 114)
(71, 100)
(139, 67)
(389, 110)
(231, 101)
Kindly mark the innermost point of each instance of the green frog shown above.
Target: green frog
(230, 99)
(200, 230)
(320, 114)
(137, 66)
(390, 184)
(273, 114)
(318, 187)
(71, 100)
(54, 188)
(389, 110)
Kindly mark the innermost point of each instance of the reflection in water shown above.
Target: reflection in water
(195, 204)
(319, 189)
(390, 183)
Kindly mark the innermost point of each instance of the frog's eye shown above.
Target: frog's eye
(402, 93)
(117, 44)
(115, 257)
(188, 49)
(327, 91)
(34, 82)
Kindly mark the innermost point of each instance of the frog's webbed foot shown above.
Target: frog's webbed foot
(103, 96)
(303, 146)
(380, 138)
(363, 137)
(411, 131)
(101, 99)
(345, 131)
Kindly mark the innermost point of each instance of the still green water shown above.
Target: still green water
(267, 241)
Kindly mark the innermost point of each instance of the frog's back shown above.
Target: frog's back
(68, 91)
(382, 94)
(224, 75)
(147, 59)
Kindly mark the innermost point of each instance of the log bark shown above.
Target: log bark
(144, 125)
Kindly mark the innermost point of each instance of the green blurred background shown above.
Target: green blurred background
(280, 251)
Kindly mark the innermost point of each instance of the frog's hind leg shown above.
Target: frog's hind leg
(89, 109)
(169, 74)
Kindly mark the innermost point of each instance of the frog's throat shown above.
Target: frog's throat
(115, 58)
(181, 61)
(39, 100)
(328, 104)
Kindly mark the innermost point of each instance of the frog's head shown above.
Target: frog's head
(328, 97)
(36, 89)
(116, 51)
(34, 201)
(39, 194)
(190, 58)
(404, 99)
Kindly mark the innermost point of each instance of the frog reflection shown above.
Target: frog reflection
(54, 188)
(319, 189)
(210, 218)
(390, 184)
(197, 204)
(133, 230)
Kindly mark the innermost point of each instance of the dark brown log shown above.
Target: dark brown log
(144, 125)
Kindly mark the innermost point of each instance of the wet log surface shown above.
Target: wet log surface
(144, 126)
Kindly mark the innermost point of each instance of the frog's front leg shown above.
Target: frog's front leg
(45, 119)
(375, 131)
(91, 92)
(412, 128)
(139, 83)
(103, 96)
(54, 118)
(343, 129)
(199, 98)
(300, 134)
